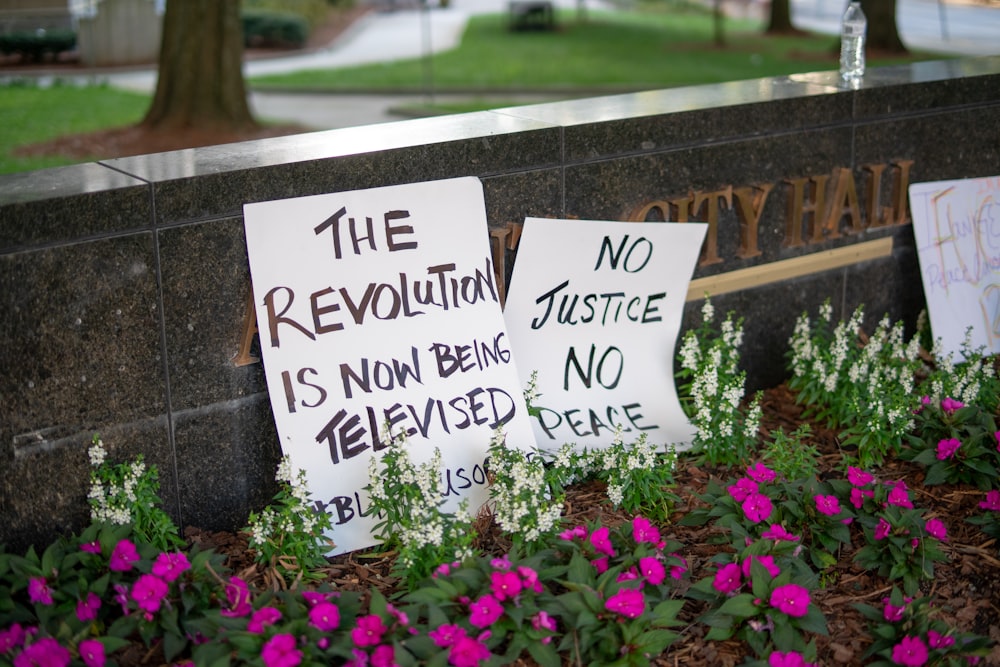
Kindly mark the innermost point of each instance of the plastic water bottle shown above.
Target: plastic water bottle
(852, 43)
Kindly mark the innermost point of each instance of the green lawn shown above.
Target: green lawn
(609, 51)
(29, 114)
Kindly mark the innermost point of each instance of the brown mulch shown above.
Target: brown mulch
(139, 140)
(966, 588)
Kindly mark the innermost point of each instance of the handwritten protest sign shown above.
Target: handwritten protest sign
(957, 229)
(381, 307)
(595, 308)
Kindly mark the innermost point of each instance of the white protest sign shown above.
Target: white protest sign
(956, 225)
(381, 306)
(595, 308)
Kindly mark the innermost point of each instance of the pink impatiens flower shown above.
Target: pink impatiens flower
(468, 652)
(39, 591)
(728, 579)
(899, 496)
(790, 659)
(601, 540)
(92, 653)
(742, 489)
(858, 477)
(936, 528)
(778, 533)
(238, 596)
(858, 496)
(11, 638)
(123, 556)
(950, 405)
(384, 656)
(446, 635)
(992, 501)
(936, 640)
(86, 609)
(652, 569)
(947, 447)
(761, 473)
(828, 505)
(262, 618)
(644, 531)
(369, 631)
(148, 592)
(757, 507)
(627, 602)
(281, 651)
(542, 621)
(325, 616)
(505, 585)
(485, 611)
(46, 652)
(882, 530)
(910, 652)
(791, 599)
(766, 561)
(91, 547)
(169, 566)
(893, 613)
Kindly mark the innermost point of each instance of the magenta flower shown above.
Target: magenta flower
(529, 579)
(997, 436)
(910, 651)
(169, 566)
(778, 533)
(39, 591)
(92, 653)
(505, 585)
(122, 557)
(790, 659)
(742, 489)
(828, 505)
(644, 531)
(652, 569)
(727, 579)
(11, 638)
(262, 618)
(891, 612)
(369, 631)
(577, 532)
(992, 501)
(238, 597)
(858, 496)
(950, 405)
(46, 652)
(601, 540)
(946, 448)
(280, 651)
(313, 598)
(485, 611)
(468, 652)
(936, 528)
(446, 635)
(937, 640)
(600, 564)
(899, 496)
(761, 473)
(148, 591)
(766, 561)
(384, 656)
(791, 599)
(882, 530)
(325, 616)
(86, 609)
(542, 621)
(677, 571)
(757, 507)
(91, 547)
(627, 602)
(858, 477)
(501, 563)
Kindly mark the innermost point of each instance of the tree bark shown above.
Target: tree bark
(883, 33)
(718, 20)
(200, 82)
(780, 21)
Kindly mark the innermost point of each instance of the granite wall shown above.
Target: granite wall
(125, 282)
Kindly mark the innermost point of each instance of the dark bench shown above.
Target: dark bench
(531, 15)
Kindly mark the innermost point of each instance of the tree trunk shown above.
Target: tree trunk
(883, 33)
(718, 18)
(780, 22)
(200, 83)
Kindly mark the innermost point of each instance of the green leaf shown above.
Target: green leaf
(740, 606)
(544, 654)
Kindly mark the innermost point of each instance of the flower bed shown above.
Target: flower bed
(789, 553)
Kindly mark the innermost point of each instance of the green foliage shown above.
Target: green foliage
(36, 45)
(714, 389)
(127, 494)
(904, 627)
(973, 380)
(958, 444)
(791, 456)
(289, 535)
(313, 11)
(265, 28)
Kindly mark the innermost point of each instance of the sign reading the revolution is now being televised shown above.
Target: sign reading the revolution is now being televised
(595, 308)
(380, 308)
(956, 225)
